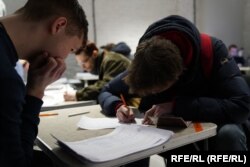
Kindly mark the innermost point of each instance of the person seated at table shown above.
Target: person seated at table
(168, 74)
(43, 33)
(106, 64)
(233, 51)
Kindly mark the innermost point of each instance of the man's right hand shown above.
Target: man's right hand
(70, 96)
(125, 114)
(43, 70)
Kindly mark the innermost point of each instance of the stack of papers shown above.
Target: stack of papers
(124, 140)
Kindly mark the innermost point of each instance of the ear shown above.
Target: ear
(58, 25)
(95, 53)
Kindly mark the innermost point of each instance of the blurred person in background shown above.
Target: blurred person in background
(106, 64)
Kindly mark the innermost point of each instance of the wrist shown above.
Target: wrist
(118, 106)
(38, 93)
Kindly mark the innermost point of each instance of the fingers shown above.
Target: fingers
(69, 97)
(59, 69)
(54, 68)
(121, 116)
(147, 121)
(124, 115)
(38, 61)
(148, 114)
(65, 96)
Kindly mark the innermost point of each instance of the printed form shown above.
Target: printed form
(124, 140)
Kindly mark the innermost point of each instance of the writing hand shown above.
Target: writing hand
(70, 96)
(156, 111)
(125, 114)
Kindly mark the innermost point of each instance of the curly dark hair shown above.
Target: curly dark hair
(157, 62)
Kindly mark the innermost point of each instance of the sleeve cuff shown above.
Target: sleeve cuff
(118, 105)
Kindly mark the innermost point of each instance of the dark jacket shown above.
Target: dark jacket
(18, 112)
(222, 98)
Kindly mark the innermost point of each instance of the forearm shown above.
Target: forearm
(108, 103)
(91, 92)
(30, 121)
(19, 119)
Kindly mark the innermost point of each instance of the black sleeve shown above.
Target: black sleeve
(19, 120)
(230, 103)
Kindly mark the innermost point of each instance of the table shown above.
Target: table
(53, 97)
(65, 128)
(68, 104)
(245, 70)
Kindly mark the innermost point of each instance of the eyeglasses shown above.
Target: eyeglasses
(81, 63)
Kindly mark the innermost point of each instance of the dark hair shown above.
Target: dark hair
(37, 10)
(88, 49)
(232, 46)
(157, 61)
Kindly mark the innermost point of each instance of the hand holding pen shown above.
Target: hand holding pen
(124, 113)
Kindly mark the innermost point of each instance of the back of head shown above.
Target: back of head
(37, 10)
(157, 62)
(122, 48)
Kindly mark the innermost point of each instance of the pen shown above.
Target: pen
(123, 100)
(47, 114)
(124, 103)
(71, 115)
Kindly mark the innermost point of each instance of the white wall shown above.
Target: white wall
(87, 7)
(127, 20)
(246, 29)
(13, 5)
(222, 18)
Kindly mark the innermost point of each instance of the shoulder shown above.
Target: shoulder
(218, 46)
(220, 52)
(222, 62)
(115, 57)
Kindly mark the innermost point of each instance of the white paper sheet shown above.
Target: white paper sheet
(101, 123)
(86, 76)
(53, 94)
(124, 140)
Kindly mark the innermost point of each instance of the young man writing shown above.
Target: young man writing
(169, 75)
(43, 33)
